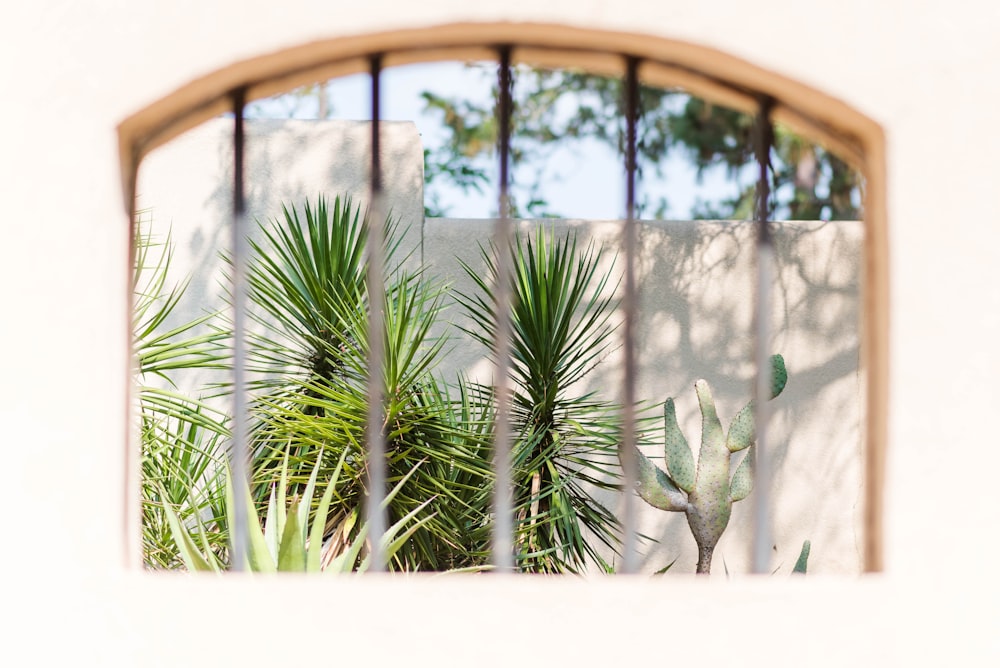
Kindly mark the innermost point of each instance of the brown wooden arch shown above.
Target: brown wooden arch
(706, 72)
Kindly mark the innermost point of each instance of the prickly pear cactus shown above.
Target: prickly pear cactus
(703, 490)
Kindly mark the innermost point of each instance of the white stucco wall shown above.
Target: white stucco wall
(185, 187)
(73, 71)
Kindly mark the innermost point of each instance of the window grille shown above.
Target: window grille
(503, 234)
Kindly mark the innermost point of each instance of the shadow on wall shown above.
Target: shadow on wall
(696, 306)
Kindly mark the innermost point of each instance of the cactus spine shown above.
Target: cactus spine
(704, 491)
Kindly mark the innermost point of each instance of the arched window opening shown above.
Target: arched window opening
(469, 382)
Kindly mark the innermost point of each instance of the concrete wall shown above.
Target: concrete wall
(696, 294)
(921, 74)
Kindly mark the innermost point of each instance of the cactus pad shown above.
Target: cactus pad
(680, 461)
(704, 491)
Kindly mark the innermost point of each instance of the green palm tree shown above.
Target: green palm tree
(565, 442)
(310, 357)
(180, 436)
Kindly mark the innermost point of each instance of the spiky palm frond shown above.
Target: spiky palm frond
(179, 435)
(307, 288)
(565, 441)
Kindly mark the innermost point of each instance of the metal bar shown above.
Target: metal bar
(239, 451)
(376, 336)
(503, 236)
(630, 556)
(762, 535)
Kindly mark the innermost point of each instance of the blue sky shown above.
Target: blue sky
(582, 181)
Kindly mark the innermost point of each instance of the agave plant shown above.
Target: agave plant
(179, 435)
(285, 540)
(564, 447)
(308, 295)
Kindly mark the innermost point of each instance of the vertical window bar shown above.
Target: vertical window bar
(630, 305)
(239, 453)
(375, 432)
(763, 139)
(503, 236)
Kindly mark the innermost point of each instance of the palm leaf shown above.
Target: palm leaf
(308, 292)
(565, 445)
(179, 434)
